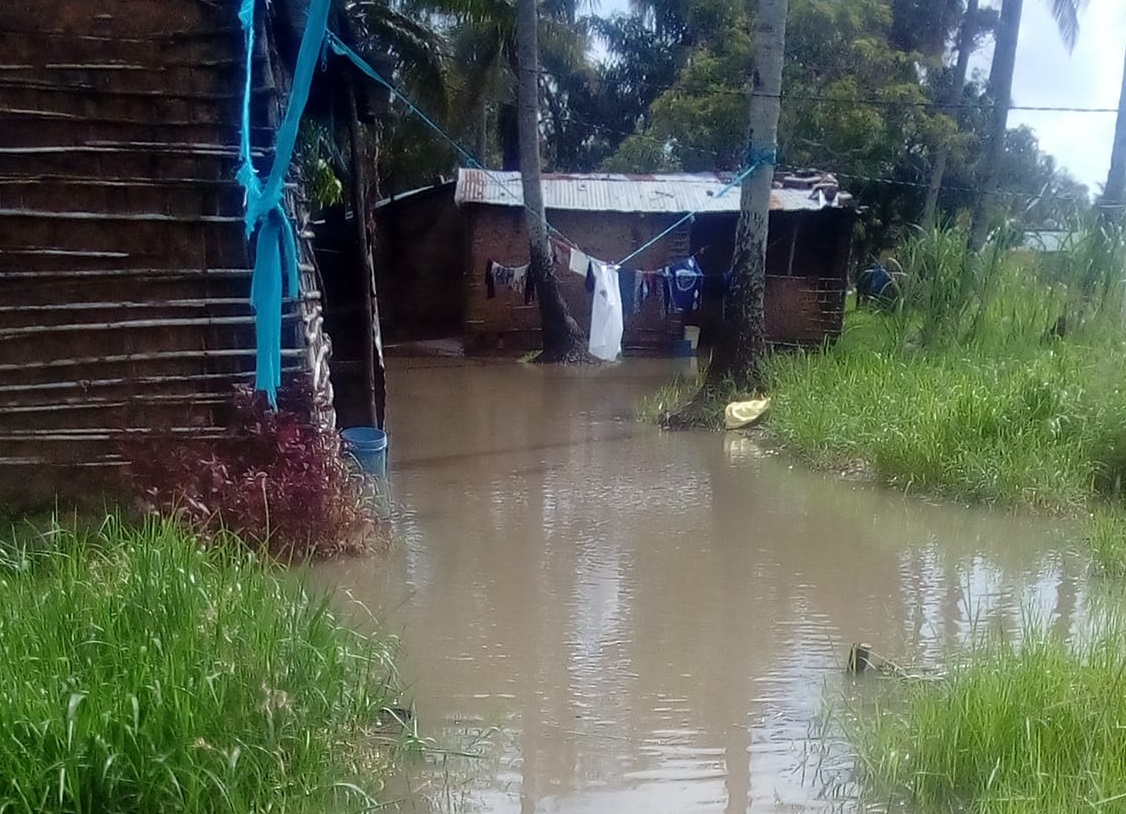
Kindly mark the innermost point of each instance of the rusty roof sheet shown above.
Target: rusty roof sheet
(612, 192)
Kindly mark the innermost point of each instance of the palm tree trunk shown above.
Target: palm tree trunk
(954, 96)
(741, 347)
(375, 372)
(563, 339)
(1001, 88)
(1116, 177)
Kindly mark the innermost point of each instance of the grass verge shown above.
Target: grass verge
(140, 672)
(1032, 728)
(1041, 428)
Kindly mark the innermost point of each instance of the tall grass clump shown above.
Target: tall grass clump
(140, 672)
(998, 379)
(1033, 727)
(1106, 540)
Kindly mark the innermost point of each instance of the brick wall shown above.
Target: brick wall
(505, 323)
(419, 265)
(807, 266)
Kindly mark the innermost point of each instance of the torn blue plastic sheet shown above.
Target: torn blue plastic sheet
(275, 257)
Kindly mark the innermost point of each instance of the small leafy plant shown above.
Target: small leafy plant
(278, 481)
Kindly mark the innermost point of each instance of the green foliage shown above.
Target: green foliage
(643, 152)
(1033, 726)
(141, 672)
(663, 88)
(1106, 541)
(1016, 431)
(971, 390)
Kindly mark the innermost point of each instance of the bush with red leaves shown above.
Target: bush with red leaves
(277, 481)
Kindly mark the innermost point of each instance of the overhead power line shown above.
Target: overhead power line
(852, 101)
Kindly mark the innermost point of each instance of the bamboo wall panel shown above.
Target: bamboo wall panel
(124, 269)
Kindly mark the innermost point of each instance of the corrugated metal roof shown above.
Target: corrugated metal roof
(606, 192)
(410, 194)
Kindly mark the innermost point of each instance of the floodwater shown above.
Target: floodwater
(618, 619)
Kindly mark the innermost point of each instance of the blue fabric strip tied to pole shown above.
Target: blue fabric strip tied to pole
(276, 257)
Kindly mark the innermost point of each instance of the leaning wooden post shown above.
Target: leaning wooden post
(859, 659)
(374, 370)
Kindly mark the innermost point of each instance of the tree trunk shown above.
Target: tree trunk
(563, 339)
(953, 97)
(1116, 177)
(1001, 88)
(375, 374)
(741, 347)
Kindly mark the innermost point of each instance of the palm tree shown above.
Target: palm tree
(1116, 176)
(562, 337)
(742, 344)
(484, 44)
(1066, 14)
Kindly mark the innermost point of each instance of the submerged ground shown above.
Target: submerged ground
(621, 619)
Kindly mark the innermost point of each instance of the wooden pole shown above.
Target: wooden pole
(373, 350)
(859, 658)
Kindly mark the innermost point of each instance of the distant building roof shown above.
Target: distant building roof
(671, 193)
(1045, 240)
(414, 193)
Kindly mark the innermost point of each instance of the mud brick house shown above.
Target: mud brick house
(446, 234)
(125, 269)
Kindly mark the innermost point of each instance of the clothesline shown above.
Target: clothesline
(615, 291)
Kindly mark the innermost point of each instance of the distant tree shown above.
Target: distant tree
(967, 37)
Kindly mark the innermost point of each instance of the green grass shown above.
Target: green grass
(964, 390)
(141, 673)
(670, 399)
(1106, 541)
(1020, 728)
(1039, 428)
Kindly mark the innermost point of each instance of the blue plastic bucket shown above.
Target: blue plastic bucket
(368, 446)
(682, 347)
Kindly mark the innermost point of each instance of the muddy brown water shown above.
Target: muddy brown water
(617, 619)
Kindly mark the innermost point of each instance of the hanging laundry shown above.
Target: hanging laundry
(630, 281)
(713, 287)
(490, 281)
(625, 289)
(606, 320)
(560, 253)
(580, 262)
(512, 277)
(683, 281)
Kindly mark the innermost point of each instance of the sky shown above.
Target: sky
(1091, 76)
(1048, 76)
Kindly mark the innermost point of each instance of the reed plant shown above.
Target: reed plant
(1106, 540)
(1029, 724)
(142, 672)
(998, 378)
